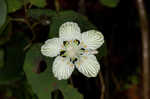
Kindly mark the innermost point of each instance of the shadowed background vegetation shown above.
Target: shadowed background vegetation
(26, 24)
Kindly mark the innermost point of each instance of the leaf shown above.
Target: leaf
(14, 58)
(6, 33)
(38, 3)
(110, 3)
(65, 16)
(70, 93)
(37, 13)
(1, 58)
(3, 12)
(102, 51)
(126, 86)
(4, 26)
(134, 79)
(43, 83)
(14, 5)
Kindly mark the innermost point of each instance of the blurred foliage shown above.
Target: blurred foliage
(1, 58)
(4, 26)
(110, 3)
(3, 11)
(65, 16)
(14, 5)
(132, 80)
(39, 13)
(14, 59)
(19, 90)
(6, 32)
(38, 3)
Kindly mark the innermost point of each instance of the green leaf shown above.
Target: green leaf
(70, 93)
(6, 33)
(1, 58)
(3, 12)
(4, 26)
(14, 5)
(126, 86)
(38, 13)
(43, 83)
(102, 51)
(134, 79)
(110, 3)
(65, 16)
(38, 3)
(14, 58)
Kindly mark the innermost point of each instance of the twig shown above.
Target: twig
(27, 46)
(57, 5)
(71, 82)
(29, 25)
(18, 20)
(30, 5)
(116, 82)
(82, 7)
(102, 86)
(145, 50)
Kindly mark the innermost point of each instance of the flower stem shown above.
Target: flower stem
(71, 82)
(102, 86)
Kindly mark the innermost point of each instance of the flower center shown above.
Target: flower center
(72, 49)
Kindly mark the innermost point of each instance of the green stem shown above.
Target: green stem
(18, 19)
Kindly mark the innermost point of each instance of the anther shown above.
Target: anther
(82, 49)
(77, 41)
(74, 60)
(62, 53)
(65, 43)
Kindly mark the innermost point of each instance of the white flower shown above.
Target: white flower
(74, 49)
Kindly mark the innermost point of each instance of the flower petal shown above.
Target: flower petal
(62, 68)
(69, 31)
(51, 47)
(88, 65)
(92, 39)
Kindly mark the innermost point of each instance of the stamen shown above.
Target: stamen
(76, 41)
(64, 56)
(82, 49)
(70, 60)
(62, 53)
(65, 43)
(74, 60)
(81, 53)
(85, 46)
